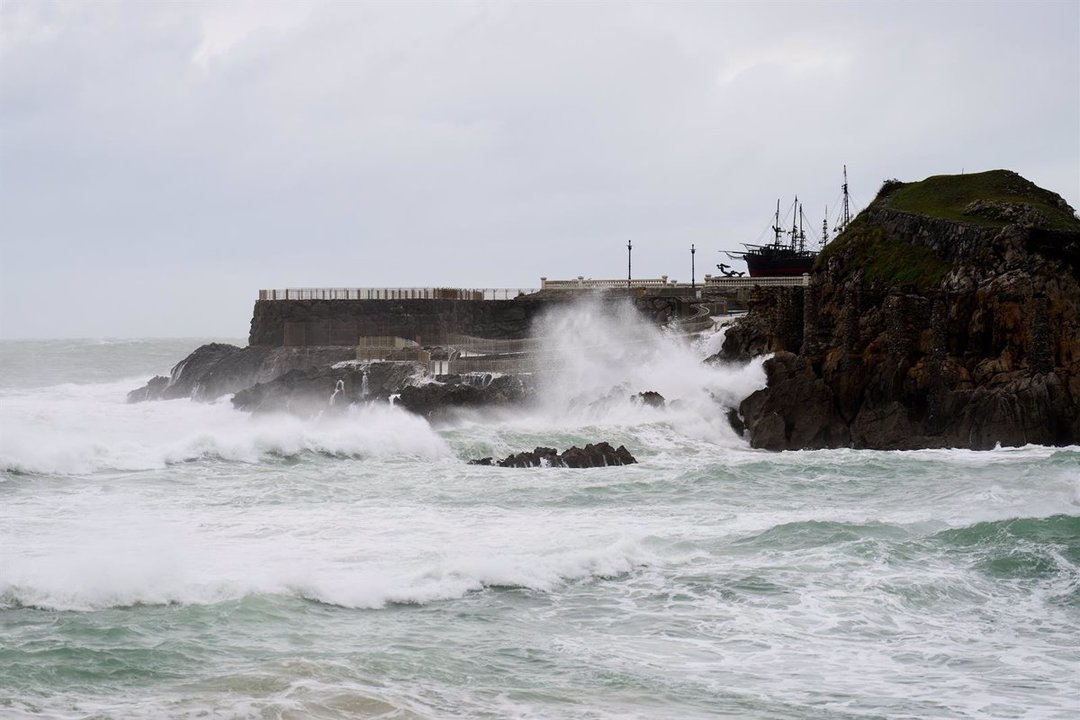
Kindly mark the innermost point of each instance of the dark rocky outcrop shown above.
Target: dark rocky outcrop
(324, 389)
(153, 390)
(310, 380)
(650, 398)
(211, 368)
(947, 315)
(599, 455)
(218, 369)
(435, 399)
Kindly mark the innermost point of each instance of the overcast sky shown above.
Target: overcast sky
(162, 161)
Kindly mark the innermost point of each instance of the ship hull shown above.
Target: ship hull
(772, 263)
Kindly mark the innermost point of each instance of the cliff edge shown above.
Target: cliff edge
(946, 315)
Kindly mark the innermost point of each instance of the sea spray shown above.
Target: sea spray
(596, 355)
(75, 430)
(339, 388)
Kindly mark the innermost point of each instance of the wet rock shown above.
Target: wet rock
(736, 422)
(435, 399)
(218, 369)
(153, 390)
(332, 388)
(599, 455)
(541, 456)
(209, 368)
(650, 398)
(796, 409)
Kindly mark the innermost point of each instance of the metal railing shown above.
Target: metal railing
(748, 282)
(579, 283)
(583, 283)
(394, 293)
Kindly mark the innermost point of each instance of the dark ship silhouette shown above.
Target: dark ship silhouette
(787, 257)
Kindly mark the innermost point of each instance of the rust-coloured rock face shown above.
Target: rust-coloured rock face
(987, 354)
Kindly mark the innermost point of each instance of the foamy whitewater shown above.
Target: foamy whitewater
(181, 559)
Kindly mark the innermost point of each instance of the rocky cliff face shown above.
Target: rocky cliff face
(948, 314)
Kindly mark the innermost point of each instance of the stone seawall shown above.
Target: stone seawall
(279, 323)
(340, 322)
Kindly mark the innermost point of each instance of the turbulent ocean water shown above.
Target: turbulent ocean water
(181, 559)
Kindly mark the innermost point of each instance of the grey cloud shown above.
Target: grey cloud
(197, 152)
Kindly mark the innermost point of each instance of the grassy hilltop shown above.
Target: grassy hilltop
(984, 198)
(989, 200)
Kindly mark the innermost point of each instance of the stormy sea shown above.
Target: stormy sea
(184, 559)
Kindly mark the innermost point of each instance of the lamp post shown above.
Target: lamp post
(629, 250)
(693, 283)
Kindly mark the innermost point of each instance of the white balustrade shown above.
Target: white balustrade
(394, 293)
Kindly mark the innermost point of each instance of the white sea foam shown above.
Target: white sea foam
(81, 429)
(93, 562)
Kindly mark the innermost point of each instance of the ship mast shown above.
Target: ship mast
(825, 228)
(777, 230)
(794, 223)
(845, 217)
(802, 233)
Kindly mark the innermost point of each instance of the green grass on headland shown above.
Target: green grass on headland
(947, 196)
(884, 261)
(890, 262)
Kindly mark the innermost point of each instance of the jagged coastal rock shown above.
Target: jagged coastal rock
(309, 381)
(217, 369)
(946, 315)
(600, 454)
(312, 391)
(484, 390)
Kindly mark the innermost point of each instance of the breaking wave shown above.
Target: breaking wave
(78, 430)
(154, 574)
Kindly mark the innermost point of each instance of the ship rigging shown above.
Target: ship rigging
(787, 253)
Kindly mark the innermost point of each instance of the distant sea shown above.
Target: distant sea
(182, 559)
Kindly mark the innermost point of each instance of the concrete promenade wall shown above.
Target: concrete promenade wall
(333, 322)
(429, 322)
